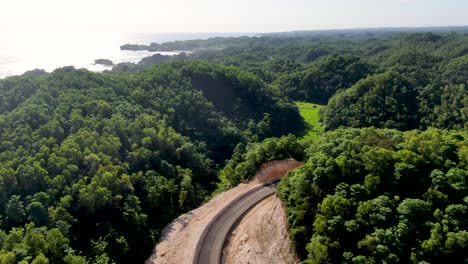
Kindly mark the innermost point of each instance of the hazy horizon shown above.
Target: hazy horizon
(51, 50)
(42, 33)
(179, 16)
(209, 34)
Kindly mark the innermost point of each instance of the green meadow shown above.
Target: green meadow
(311, 114)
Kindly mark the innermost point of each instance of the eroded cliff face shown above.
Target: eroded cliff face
(261, 237)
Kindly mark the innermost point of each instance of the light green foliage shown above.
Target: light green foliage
(40, 259)
(311, 114)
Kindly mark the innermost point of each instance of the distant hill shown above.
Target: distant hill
(366, 31)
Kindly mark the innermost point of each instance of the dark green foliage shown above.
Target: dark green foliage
(425, 86)
(373, 196)
(242, 96)
(444, 106)
(392, 100)
(247, 159)
(456, 71)
(314, 67)
(320, 81)
(386, 100)
(92, 166)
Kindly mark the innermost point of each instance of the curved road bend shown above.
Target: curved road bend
(211, 248)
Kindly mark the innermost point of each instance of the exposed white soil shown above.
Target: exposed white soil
(261, 237)
(179, 238)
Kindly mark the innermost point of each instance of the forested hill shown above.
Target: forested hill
(286, 38)
(387, 79)
(381, 196)
(370, 195)
(92, 166)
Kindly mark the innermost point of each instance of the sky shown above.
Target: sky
(225, 15)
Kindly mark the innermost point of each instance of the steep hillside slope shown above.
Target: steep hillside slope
(380, 195)
(102, 162)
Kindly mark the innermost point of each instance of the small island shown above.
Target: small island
(137, 47)
(104, 62)
(216, 43)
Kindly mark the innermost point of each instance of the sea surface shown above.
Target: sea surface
(21, 52)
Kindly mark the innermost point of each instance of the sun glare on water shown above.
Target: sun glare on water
(20, 52)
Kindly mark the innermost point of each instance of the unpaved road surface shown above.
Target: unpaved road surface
(180, 238)
(211, 244)
(261, 237)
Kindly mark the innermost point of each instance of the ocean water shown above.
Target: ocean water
(20, 52)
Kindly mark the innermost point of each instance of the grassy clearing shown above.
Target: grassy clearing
(310, 113)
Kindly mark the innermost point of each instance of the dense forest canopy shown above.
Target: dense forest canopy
(429, 73)
(94, 165)
(99, 163)
(381, 196)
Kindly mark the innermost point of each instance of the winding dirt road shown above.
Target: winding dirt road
(210, 246)
(180, 240)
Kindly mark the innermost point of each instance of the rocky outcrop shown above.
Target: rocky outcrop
(104, 62)
(136, 47)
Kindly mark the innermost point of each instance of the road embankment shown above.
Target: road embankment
(180, 238)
